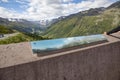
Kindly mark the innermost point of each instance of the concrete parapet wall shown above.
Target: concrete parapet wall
(96, 63)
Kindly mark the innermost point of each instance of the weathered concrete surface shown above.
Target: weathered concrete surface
(113, 37)
(98, 62)
(14, 54)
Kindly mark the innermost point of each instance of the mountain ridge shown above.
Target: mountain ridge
(92, 21)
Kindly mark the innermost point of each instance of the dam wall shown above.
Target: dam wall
(100, 62)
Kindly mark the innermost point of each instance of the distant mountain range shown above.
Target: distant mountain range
(92, 21)
(26, 26)
(20, 25)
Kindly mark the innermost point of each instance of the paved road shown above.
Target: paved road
(8, 35)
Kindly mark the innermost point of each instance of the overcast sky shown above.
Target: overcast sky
(47, 9)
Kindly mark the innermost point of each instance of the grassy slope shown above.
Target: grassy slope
(77, 26)
(4, 30)
(21, 38)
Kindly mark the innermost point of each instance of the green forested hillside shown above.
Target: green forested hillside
(86, 23)
(21, 37)
(4, 30)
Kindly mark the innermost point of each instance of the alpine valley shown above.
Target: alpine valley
(88, 22)
(92, 21)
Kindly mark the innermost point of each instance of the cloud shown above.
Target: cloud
(67, 0)
(72, 40)
(47, 9)
(6, 13)
(4, 0)
(11, 13)
(20, 1)
(55, 8)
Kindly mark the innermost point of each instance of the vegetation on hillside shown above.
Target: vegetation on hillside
(21, 25)
(21, 38)
(25, 33)
(93, 21)
(4, 30)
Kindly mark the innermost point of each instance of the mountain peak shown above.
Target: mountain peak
(115, 5)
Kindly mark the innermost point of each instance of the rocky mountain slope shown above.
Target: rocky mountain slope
(93, 21)
(21, 25)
